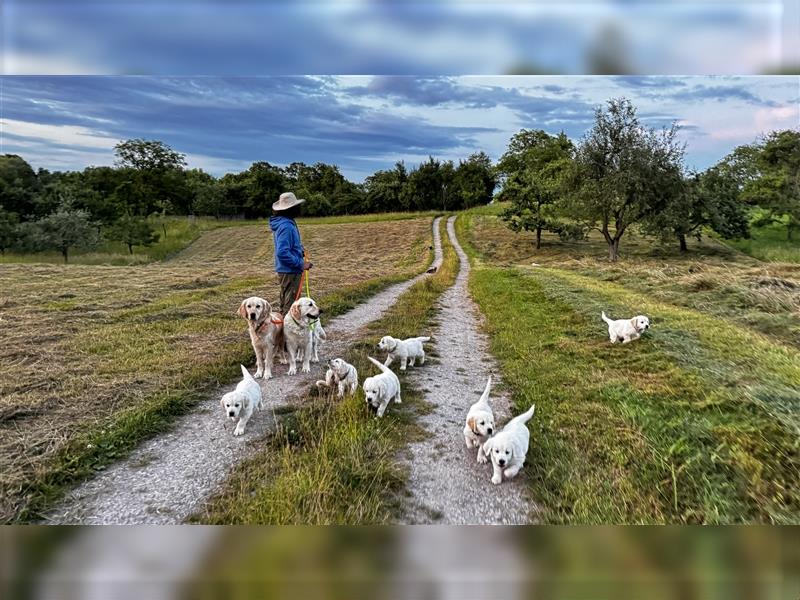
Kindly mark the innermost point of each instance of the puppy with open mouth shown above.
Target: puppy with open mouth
(266, 332)
(341, 374)
(480, 423)
(241, 402)
(299, 333)
(508, 448)
(626, 330)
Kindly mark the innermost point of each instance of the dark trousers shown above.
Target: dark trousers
(290, 283)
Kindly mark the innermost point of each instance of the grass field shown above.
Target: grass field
(695, 423)
(94, 358)
(769, 243)
(333, 462)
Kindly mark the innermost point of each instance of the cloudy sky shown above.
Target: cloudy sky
(283, 37)
(365, 123)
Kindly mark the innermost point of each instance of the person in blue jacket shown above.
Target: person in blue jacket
(290, 259)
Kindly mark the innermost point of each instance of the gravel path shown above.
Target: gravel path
(446, 483)
(169, 477)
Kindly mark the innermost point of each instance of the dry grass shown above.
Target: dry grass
(711, 277)
(87, 349)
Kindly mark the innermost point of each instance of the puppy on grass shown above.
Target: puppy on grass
(508, 448)
(381, 389)
(241, 402)
(341, 374)
(480, 423)
(626, 330)
(408, 351)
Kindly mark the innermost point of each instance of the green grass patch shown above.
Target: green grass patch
(331, 461)
(694, 423)
(769, 243)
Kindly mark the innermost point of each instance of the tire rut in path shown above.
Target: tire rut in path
(446, 483)
(169, 477)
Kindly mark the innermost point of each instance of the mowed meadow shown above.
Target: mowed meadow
(697, 422)
(94, 358)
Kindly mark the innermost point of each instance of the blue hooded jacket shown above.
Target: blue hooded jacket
(288, 249)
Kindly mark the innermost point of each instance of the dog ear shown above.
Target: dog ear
(295, 312)
(487, 446)
(471, 424)
(242, 309)
(635, 323)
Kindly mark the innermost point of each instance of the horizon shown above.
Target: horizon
(363, 124)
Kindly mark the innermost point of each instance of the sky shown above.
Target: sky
(366, 123)
(419, 37)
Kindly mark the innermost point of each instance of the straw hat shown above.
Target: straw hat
(287, 200)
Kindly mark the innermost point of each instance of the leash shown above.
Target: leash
(313, 324)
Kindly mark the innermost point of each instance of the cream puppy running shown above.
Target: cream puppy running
(626, 330)
(508, 448)
(480, 423)
(408, 351)
(381, 389)
(341, 374)
(241, 402)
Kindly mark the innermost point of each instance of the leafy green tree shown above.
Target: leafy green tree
(473, 182)
(133, 231)
(64, 230)
(8, 229)
(777, 186)
(534, 167)
(206, 193)
(384, 190)
(156, 170)
(622, 172)
(709, 200)
(18, 186)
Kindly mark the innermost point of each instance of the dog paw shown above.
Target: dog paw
(268, 376)
(481, 458)
(238, 431)
(292, 371)
(306, 369)
(258, 374)
(497, 479)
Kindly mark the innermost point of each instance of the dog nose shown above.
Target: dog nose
(230, 414)
(502, 461)
(489, 431)
(253, 316)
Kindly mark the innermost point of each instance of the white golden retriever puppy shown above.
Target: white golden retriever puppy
(241, 402)
(508, 448)
(299, 333)
(341, 374)
(266, 332)
(626, 330)
(408, 351)
(381, 389)
(480, 423)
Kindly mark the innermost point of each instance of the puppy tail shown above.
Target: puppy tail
(322, 384)
(380, 365)
(605, 318)
(424, 339)
(485, 395)
(527, 415)
(246, 373)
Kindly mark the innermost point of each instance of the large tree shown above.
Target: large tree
(64, 230)
(133, 231)
(18, 186)
(533, 168)
(474, 181)
(777, 186)
(156, 169)
(622, 172)
(708, 200)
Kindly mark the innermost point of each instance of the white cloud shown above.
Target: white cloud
(67, 135)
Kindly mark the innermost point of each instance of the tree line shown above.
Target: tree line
(623, 174)
(76, 210)
(619, 174)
